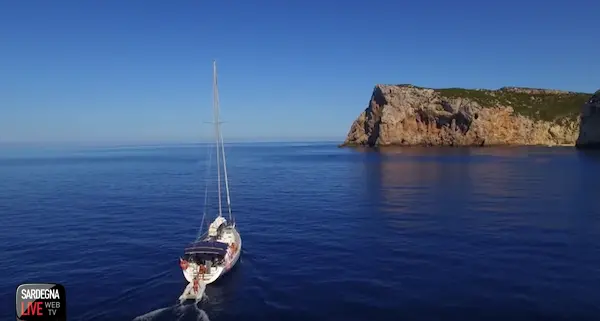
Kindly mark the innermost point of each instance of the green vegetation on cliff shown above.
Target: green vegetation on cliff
(537, 104)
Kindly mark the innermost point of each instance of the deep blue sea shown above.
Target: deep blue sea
(328, 233)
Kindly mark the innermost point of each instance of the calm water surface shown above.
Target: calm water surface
(329, 234)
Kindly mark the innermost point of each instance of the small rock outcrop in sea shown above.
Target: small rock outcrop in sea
(589, 131)
(409, 115)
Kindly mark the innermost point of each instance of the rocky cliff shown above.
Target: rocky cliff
(589, 132)
(409, 115)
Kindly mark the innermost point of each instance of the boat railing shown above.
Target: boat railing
(202, 236)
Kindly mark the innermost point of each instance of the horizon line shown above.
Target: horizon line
(166, 142)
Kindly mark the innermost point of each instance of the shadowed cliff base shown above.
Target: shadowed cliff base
(588, 146)
(483, 145)
(406, 115)
(589, 133)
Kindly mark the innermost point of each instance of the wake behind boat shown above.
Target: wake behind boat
(215, 252)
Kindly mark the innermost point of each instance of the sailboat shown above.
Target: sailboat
(215, 252)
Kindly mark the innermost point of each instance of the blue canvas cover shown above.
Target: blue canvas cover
(207, 247)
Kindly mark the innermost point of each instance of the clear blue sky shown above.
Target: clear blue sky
(140, 70)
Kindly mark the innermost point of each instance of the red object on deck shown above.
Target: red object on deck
(183, 263)
(196, 285)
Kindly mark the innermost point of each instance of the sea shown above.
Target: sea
(328, 233)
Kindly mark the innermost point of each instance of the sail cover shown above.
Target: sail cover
(207, 247)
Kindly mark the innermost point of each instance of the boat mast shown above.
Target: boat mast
(216, 117)
(220, 140)
(225, 167)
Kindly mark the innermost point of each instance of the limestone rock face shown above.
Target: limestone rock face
(409, 115)
(589, 131)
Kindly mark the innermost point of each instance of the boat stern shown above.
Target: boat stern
(204, 275)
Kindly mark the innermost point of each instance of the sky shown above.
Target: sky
(141, 70)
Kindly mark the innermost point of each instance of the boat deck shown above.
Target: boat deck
(228, 236)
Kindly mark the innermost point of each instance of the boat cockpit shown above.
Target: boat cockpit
(207, 253)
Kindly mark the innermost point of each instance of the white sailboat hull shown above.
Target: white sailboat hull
(231, 258)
